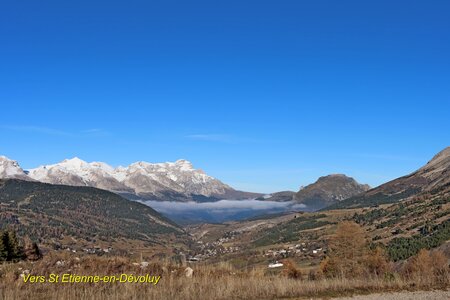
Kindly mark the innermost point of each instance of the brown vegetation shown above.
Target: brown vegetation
(350, 256)
(220, 281)
(428, 265)
(291, 270)
(349, 253)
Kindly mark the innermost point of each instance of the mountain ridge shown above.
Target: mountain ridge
(175, 181)
(434, 175)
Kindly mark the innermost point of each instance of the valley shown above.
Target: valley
(392, 227)
(224, 150)
(410, 221)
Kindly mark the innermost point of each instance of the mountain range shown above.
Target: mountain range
(175, 181)
(64, 214)
(180, 181)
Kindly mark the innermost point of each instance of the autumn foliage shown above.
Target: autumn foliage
(430, 265)
(351, 257)
(291, 270)
(348, 252)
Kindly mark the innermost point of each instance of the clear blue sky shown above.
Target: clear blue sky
(264, 95)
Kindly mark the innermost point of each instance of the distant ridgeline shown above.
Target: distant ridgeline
(434, 177)
(169, 181)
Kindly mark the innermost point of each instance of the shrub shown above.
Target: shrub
(428, 266)
(31, 250)
(377, 262)
(440, 266)
(290, 270)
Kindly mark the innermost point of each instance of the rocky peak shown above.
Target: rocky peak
(328, 190)
(184, 164)
(73, 164)
(10, 169)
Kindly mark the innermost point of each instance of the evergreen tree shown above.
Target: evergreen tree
(15, 249)
(4, 243)
(10, 248)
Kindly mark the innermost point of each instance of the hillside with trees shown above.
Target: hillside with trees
(52, 214)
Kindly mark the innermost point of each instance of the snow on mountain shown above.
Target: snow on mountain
(11, 169)
(177, 181)
(171, 180)
(179, 176)
(80, 173)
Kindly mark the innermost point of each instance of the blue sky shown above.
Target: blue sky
(264, 95)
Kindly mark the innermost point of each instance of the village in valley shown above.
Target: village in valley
(233, 244)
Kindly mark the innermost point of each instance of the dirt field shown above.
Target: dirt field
(419, 295)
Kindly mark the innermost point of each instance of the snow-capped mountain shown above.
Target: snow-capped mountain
(80, 173)
(179, 176)
(157, 181)
(11, 169)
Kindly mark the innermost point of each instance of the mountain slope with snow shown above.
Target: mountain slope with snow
(79, 173)
(177, 181)
(11, 169)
